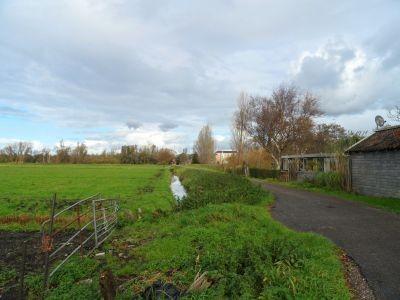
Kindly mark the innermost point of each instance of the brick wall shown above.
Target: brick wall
(376, 173)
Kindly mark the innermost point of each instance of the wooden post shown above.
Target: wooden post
(94, 223)
(22, 275)
(78, 211)
(48, 247)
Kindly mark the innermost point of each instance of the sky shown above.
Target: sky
(116, 72)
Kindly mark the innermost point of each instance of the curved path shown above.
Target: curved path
(370, 236)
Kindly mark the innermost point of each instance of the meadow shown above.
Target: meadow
(26, 189)
(222, 230)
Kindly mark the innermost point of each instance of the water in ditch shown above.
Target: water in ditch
(177, 188)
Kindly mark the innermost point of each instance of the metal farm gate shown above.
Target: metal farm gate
(82, 226)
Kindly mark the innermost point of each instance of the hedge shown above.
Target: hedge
(264, 173)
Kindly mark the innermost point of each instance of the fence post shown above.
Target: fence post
(48, 248)
(22, 275)
(94, 223)
(78, 210)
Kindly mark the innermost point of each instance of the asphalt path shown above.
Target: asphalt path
(369, 235)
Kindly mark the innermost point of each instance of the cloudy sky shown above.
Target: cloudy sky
(113, 72)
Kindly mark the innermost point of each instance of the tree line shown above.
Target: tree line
(23, 152)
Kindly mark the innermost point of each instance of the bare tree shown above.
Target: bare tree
(165, 156)
(394, 113)
(46, 156)
(241, 119)
(63, 153)
(205, 145)
(283, 121)
(24, 149)
(11, 152)
(79, 153)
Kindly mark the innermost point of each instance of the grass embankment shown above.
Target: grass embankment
(26, 190)
(389, 204)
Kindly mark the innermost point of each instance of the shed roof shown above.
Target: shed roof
(383, 139)
(225, 151)
(312, 155)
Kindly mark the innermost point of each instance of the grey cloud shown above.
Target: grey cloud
(166, 126)
(386, 44)
(133, 124)
(325, 68)
(10, 111)
(318, 72)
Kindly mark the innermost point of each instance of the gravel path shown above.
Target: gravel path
(370, 236)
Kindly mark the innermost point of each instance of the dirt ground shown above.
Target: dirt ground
(11, 255)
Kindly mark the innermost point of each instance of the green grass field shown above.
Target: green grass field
(222, 229)
(27, 189)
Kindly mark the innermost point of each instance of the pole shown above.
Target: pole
(22, 275)
(94, 223)
(48, 246)
(78, 210)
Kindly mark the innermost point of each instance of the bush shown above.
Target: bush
(204, 187)
(330, 180)
(264, 173)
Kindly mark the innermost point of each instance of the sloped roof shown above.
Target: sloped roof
(225, 151)
(384, 139)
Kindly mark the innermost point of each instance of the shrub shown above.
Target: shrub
(204, 187)
(330, 180)
(264, 173)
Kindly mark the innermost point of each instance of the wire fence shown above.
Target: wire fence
(80, 227)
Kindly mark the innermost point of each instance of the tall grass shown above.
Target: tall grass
(329, 180)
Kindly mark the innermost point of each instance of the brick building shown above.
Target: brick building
(375, 163)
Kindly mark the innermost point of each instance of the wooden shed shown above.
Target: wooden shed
(303, 166)
(375, 163)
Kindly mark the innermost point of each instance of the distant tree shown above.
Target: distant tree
(45, 156)
(63, 153)
(280, 123)
(79, 154)
(3, 156)
(165, 156)
(129, 154)
(42, 156)
(24, 150)
(194, 158)
(205, 145)
(240, 137)
(182, 158)
(10, 152)
(334, 138)
(394, 113)
(19, 152)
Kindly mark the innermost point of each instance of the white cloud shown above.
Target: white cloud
(347, 78)
(36, 145)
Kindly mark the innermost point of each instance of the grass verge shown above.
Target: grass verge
(389, 204)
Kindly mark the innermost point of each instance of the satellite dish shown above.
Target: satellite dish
(380, 121)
